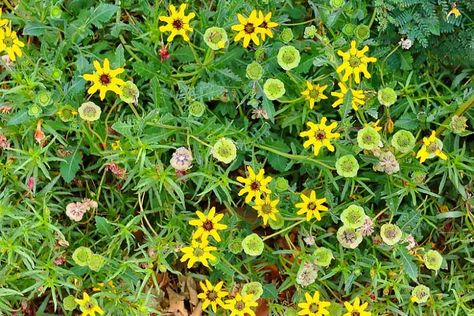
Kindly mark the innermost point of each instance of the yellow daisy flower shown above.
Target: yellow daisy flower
(432, 146)
(212, 295)
(177, 22)
(104, 79)
(320, 135)
(241, 305)
(266, 25)
(255, 184)
(10, 43)
(311, 206)
(208, 225)
(198, 251)
(3, 22)
(249, 28)
(357, 96)
(313, 306)
(266, 208)
(356, 308)
(454, 11)
(314, 93)
(355, 62)
(374, 125)
(88, 305)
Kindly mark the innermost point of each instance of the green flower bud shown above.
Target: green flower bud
(458, 124)
(278, 223)
(349, 237)
(310, 32)
(129, 93)
(387, 96)
(260, 54)
(348, 29)
(215, 38)
(281, 184)
(35, 110)
(224, 150)
(253, 245)
(418, 177)
(420, 294)
(368, 138)
(286, 35)
(273, 89)
(335, 4)
(67, 113)
(89, 111)
(335, 310)
(56, 74)
(254, 71)
(403, 141)
(288, 57)
(96, 262)
(391, 234)
(55, 12)
(290, 311)
(69, 303)
(353, 216)
(81, 256)
(254, 288)
(322, 257)
(197, 109)
(347, 166)
(433, 260)
(43, 98)
(362, 32)
(235, 246)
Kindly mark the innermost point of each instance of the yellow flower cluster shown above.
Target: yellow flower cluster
(177, 22)
(104, 79)
(9, 41)
(253, 27)
(314, 306)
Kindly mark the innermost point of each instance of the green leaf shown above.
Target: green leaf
(452, 214)
(407, 121)
(103, 226)
(70, 166)
(408, 265)
(18, 118)
(278, 162)
(208, 91)
(102, 14)
(34, 29)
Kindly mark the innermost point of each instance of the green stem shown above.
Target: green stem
(284, 230)
(460, 111)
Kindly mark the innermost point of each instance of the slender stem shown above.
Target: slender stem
(463, 108)
(284, 230)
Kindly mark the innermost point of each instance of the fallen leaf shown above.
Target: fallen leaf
(191, 285)
(262, 308)
(198, 310)
(176, 303)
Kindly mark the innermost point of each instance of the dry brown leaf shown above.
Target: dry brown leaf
(262, 308)
(176, 303)
(191, 285)
(198, 310)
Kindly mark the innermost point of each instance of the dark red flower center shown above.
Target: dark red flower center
(211, 295)
(255, 185)
(178, 24)
(320, 135)
(207, 225)
(105, 79)
(249, 28)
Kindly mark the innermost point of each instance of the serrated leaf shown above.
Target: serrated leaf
(407, 121)
(18, 118)
(34, 29)
(408, 265)
(208, 91)
(70, 166)
(278, 162)
(102, 14)
(103, 226)
(123, 128)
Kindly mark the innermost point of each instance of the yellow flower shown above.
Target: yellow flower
(354, 62)
(249, 28)
(10, 43)
(241, 305)
(313, 306)
(311, 206)
(255, 184)
(432, 146)
(208, 225)
(314, 93)
(178, 22)
(3, 22)
(454, 11)
(88, 306)
(374, 125)
(320, 135)
(212, 295)
(266, 25)
(104, 79)
(356, 308)
(357, 96)
(266, 208)
(199, 251)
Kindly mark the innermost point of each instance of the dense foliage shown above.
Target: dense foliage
(235, 158)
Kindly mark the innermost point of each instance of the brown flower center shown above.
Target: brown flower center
(105, 79)
(314, 308)
(207, 225)
(255, 185)
(312, 206)
(266, 208)
(211, 295)
(355, 313)
(314, 94)
(178, 24)
(8, 41)
(249, 28)
(320, 135)
(264, 25)
(239, 305)
(354, 61)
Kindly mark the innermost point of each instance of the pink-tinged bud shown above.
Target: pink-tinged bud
(31, 183)
(164, 53)
(39, 135)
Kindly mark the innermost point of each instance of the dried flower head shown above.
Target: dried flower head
(391, 234)
(387, 163)
(307, 274)
(349, 237)
(75, 211)
(367, 228)
(182, 159)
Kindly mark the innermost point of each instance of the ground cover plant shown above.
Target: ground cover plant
(236, 158)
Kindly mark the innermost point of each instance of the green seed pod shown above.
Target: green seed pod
(290, 311)
(235, 246)
(129, 93)
(224, 150)
(418, 177)
(69, 303)
(197, 108)
(387, 96)
(56, 74)
(322, 257)
(260, 54)
(215, 38)
(433, 260)
(81, 256)
(67, 113)
(253, 245)
(353, 216)
(458, 124)
(254, 71)
(273, 89)
(347, 166)
(288, 57)
(349, 237)
(420, 294)
(348, 29)
(55, 12)
(286, 35)
(310, 32)
(335, 4)
(43, 98)
(278, 223)
(96, 262)
(89, 111)
(403, 141)
(391, 234)
(254, 288)
(281, 184)
(362, 32)
(368, 138)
